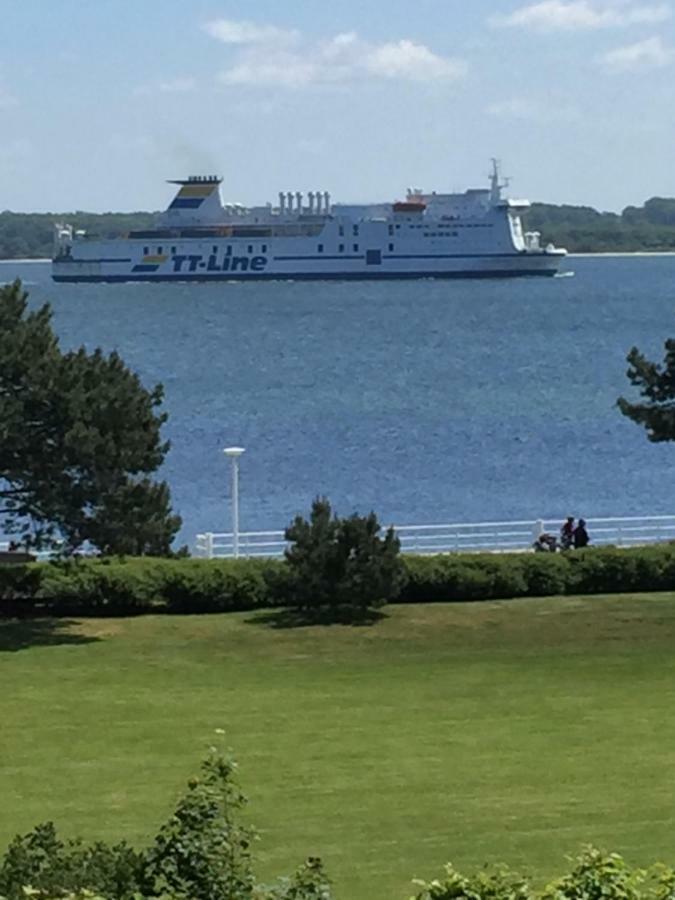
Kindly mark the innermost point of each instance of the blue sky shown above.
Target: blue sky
(100, 102)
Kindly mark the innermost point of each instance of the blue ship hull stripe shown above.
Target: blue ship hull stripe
(303, 276)
(103, 259)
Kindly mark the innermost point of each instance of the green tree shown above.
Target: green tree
(79, 435)
(203, 852)
(656, 384)
(342, 562)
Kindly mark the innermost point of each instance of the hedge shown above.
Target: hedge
(134, 586)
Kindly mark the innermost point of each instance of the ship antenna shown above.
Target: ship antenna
(495, 186)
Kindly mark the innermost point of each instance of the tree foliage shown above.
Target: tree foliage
(342, 562)
(31, 235)
(582, 229)
(595, 875)
(656, 384)
(79, 436)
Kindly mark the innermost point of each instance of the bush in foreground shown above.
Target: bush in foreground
(202, 852)
(595, 876)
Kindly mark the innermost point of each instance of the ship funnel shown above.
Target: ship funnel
(298, 201)
(319, 197)
(310, 198)
(282, 202)
(326, 202)
(197, 201)
(289, 201)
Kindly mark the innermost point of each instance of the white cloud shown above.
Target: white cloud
(230, 31)
(651, 53)
(576, 15)
(529, 110)
(408, 60)
(263, 59)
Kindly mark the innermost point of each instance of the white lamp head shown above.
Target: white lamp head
(233, 451)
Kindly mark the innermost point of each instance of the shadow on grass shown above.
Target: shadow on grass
(304, 618)
(21, 634)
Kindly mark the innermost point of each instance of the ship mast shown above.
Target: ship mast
(496, 186)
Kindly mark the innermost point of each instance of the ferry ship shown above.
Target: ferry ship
(473, 234)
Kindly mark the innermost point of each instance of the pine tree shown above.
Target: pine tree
(656, 382)
(79, 436)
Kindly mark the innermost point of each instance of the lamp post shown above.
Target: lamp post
(234, 453)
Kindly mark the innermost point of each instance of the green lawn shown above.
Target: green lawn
(508, 730)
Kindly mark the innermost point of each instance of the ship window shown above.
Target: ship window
(341, 231)
(215, 249)
(391, 229)
(356, 248)
(356, 230)
(146, 251)
(341, 248)
(159, 249)
(391, 248)
(264, 248)
(398, 226)
(250, 248)
(320, 248)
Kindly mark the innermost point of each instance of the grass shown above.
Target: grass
(510, 731)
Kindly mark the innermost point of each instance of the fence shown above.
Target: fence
(498, 537)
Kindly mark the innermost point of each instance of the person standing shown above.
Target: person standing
(581, 538)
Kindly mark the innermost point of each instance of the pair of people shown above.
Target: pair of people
(572, 535)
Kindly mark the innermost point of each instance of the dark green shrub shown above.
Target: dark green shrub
(603, 570)
(340, 563)
(546, 574)
(19, 585)
(199, 586)
(102, 587)
(337, 562)
(458, 577)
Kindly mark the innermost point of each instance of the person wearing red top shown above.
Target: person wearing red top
(567, 533)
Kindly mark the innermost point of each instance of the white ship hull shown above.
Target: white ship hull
(470, 235)
(488, 266)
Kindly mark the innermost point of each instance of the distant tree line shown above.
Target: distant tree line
(31, 235)
(581, 229)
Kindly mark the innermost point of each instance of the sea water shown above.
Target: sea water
(427, 401)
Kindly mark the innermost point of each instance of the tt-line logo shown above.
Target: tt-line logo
(192, 262)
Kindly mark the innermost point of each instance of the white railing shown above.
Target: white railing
(496, 537)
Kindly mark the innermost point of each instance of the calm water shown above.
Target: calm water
(426, 401)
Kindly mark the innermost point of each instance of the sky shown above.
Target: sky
(102, 102)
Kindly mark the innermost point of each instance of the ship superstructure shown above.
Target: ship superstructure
(476, 233)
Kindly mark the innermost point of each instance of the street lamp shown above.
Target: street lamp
(234, 453)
